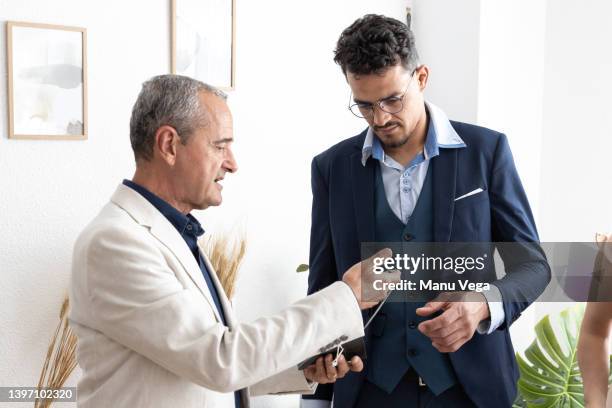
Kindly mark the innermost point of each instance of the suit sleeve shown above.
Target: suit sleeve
(527, 270)
(134, 298)
(323, 270)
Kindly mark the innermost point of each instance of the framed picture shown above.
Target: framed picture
(47, 81)
(204, 41)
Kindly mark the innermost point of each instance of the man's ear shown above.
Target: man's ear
(422, 74)
(166, 141)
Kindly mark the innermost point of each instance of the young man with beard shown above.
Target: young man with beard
(415, 176)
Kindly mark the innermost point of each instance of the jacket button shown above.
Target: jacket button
(412, 325)
(412, 352)
(408, 237)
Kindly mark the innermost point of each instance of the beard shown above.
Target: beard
(389, 141)
(394, 144)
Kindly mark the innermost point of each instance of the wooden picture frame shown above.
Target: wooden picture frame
(204, 51)
(47, 81)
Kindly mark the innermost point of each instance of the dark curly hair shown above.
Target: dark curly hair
(373, 43)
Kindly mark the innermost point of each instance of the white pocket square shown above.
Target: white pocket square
(471, 193)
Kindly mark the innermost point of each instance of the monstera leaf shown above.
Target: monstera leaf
(550, 376)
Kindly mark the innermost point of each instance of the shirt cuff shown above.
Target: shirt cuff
(496, 311)
(312, 403)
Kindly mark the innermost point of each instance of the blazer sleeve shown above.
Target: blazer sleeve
(323, 271)
(133, 297)
(291, 381)
(527, 270)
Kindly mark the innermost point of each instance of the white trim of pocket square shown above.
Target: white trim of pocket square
(471, 193)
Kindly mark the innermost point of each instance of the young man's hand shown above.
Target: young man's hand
(463, 311)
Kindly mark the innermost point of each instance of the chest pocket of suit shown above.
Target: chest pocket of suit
(472, 218)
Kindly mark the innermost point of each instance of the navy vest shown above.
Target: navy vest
(397, 344)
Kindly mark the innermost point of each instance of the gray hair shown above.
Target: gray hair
(171, 100)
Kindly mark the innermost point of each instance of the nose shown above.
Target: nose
(379, 116)
(230, 165)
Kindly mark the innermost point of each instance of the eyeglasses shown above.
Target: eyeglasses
(393, 104)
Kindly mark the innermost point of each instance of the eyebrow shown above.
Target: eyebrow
(394, 95)
(225, 140)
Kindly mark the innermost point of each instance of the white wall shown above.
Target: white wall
(511, 82)
(290, 104)
(447, 36)
(575, 183)
(50, 190)
(576, 142)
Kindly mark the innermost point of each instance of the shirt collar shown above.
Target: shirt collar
(185, 224)
(440, 134)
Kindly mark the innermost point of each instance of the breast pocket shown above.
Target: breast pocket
(472, 218)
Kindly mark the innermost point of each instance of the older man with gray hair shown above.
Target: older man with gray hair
(154, 327)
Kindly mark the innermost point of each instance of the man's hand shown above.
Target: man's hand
(463, 311)
(324, 372)
(360, 278)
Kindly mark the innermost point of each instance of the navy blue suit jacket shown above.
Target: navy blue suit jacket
(343, 217)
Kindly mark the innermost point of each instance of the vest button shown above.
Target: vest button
(408, 237)
(412, 352)
(412, 325)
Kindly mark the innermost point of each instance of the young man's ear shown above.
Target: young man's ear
(166, 141)
(422, 74)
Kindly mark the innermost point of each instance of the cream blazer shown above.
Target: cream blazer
(149, 334)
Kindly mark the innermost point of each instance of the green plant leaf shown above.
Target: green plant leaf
(550, 377)
(302, 268)
(519, 402)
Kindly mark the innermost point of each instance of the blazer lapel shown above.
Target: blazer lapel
(444, 172)
(169, 236)
(362, 180)
(225, 302)
(145, 214)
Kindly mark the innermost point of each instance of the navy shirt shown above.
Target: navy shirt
(190, 229)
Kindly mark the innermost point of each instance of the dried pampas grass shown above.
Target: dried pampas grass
(226, 255)
(61, 357)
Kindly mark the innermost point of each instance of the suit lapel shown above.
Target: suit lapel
(444, 172)
(362, 180)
